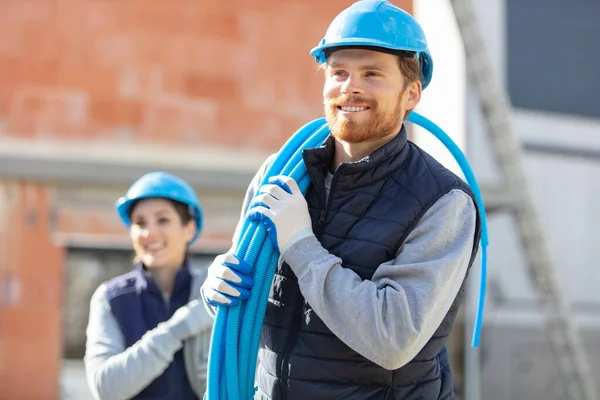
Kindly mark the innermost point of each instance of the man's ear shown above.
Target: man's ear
(412, 95)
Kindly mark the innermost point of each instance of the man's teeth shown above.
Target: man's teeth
(353, 109)
(157, 246)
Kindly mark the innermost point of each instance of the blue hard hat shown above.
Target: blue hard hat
(162, 185)
(377, 23)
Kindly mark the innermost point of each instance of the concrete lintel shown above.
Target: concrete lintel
(69, 171)
(207, 168)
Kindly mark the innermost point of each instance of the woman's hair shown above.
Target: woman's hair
(182, 209)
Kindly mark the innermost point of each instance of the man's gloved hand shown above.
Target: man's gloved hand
(190, 320)
(228, 281)
(281, 206)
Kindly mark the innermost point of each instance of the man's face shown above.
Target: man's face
(364, 96)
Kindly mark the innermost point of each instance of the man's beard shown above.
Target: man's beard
(379, 124)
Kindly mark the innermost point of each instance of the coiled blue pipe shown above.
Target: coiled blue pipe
(236, 332)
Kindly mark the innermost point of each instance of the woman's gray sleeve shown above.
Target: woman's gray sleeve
(114, 372)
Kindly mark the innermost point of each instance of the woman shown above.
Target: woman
(148, 332)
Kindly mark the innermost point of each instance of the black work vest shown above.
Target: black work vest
(373, 206)
(138, 306)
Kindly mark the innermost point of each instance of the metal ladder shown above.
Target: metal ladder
(562, 333)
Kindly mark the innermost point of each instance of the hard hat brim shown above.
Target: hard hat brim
(319, 52)
(123, 207)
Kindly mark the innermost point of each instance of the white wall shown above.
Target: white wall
(443, 101)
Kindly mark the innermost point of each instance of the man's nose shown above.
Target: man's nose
(352, 85)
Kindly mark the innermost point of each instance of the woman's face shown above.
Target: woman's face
(159, 236)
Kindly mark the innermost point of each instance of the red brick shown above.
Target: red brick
(91, 78)
(31, 71)
(115, 112)
(247, 128)
(158, 18)
(43, 41)
(73, 219)
(182, 17)
(260, 5)
(20, 126)
(11, 41)
(142, 81)
(21, 119)
(224, 26)
(211, 56)
(114, 50)
(32, 326)
(103, 16)
(197, 85)
(37, 112)
(5, 103)
(151, 48)
(27, 11)
(30, 355)
(161, 18)
(8, 72)
(211, 6)
(178, 120)
(70, 16)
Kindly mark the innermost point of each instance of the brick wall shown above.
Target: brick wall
(198, 73)
(30, 294)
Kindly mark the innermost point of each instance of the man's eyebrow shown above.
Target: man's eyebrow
(371, 67)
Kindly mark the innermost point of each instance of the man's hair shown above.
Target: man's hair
(409, 64)
(411, 69)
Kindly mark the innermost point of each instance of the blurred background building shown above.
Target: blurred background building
(94, 93)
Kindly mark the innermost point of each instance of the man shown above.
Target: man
(373, 260)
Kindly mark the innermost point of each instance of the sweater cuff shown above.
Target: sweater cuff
(178, 325)
(306, 251)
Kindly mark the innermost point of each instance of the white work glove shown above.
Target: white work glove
(190, 320)
(282, 208)
(228, 281)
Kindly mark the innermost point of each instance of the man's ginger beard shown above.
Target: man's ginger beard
(379, 124)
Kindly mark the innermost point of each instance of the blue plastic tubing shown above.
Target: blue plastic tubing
(236, 332)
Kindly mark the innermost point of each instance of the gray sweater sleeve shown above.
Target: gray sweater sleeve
(404, 303)
(114, 372)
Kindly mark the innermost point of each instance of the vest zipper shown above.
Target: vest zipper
(290, 344)
(326, 202)
(322, 217)
(284, 368)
